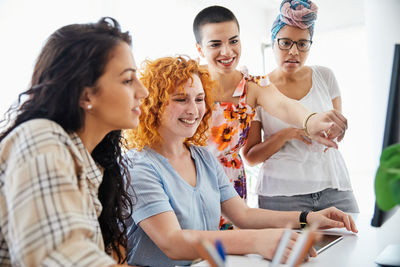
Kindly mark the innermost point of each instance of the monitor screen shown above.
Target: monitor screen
(392, 127)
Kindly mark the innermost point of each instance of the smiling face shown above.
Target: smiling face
(292, 60)
(220, 46)
(114, 103)
(184, 111)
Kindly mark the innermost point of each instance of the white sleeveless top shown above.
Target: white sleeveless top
(298, 168)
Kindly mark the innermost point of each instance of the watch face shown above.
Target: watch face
(303, 218)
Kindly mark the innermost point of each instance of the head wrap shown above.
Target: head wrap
(297, 13)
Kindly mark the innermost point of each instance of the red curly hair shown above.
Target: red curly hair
(163, 77)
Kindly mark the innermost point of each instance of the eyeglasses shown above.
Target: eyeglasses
(286, 44)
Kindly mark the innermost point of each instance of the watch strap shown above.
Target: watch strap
(303, 218)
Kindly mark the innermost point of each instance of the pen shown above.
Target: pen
(209, 253)
(302, 246)
(220, 249)
(206, 250)
(280, 251)
(297, 248)
(308, 244)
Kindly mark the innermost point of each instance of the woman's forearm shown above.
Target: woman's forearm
(260, 152)
(182, 244)
(262, 218)
(245, 217)
(293, 112)
(282, 107)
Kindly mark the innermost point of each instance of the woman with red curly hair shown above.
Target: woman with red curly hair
(181, 187)
(176, 73)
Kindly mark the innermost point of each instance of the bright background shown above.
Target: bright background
(354, 38)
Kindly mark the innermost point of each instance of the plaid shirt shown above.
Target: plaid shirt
(49, 206)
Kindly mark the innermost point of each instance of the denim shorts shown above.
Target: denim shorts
(343, 200)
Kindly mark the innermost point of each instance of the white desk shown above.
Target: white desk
(353, 250)
(363, 248)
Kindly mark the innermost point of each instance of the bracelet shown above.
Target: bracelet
(303, 218)
(305, 124)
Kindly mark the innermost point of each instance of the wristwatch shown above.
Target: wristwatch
(303, 218)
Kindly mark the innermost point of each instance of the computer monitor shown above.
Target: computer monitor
(391, 254)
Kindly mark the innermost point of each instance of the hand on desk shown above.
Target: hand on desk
(324, 219)
(266, 243)
(332, 218)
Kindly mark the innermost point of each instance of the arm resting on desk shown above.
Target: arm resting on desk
(252, 218)
(165, 231)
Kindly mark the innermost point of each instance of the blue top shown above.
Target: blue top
(159, 188)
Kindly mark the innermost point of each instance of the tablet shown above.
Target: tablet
(326, 241)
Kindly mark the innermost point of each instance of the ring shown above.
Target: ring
(328, 132)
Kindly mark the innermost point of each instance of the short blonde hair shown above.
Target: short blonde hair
(163, 77)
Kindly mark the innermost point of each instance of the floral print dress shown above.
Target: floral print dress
(230, 125)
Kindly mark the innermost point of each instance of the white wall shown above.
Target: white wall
(383, 31)
(24, 27)
(159, 28)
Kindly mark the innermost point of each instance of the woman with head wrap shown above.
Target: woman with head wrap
(296, 173)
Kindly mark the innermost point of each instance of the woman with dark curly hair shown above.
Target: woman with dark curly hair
(181, 188)
(63, 199)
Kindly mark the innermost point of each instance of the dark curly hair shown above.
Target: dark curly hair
(74, 57)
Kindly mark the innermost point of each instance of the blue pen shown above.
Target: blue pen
(220, 249)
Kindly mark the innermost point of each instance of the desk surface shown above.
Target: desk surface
(353, 250)
(363, 248)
